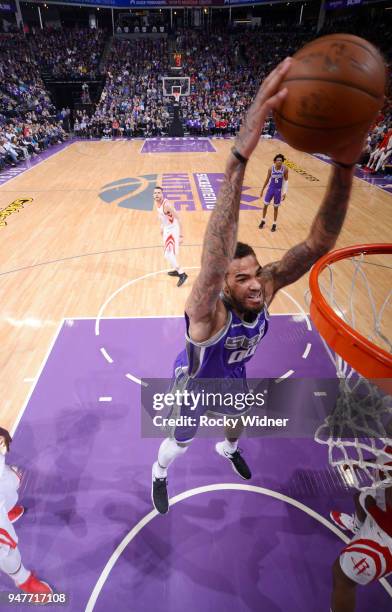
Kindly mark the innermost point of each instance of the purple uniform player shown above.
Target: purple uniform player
(277, 181)
(226, 311)
(274, 190)
(225, 354)
(217, 365)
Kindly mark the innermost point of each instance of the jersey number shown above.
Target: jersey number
(237, 356)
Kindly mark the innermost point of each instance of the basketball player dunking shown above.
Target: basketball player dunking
(171, 234)
(277, 181)
(226, 312)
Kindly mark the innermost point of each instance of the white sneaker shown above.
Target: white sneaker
(238, 463)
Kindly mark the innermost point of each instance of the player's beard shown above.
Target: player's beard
(246, 313)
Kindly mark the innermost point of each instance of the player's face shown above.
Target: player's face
(3, 446)
(158, 195)
(244, 286)
(278, 163)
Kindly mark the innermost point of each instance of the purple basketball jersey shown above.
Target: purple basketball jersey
(276, 180)
(225, 354)
(221, 361)
(274, 189)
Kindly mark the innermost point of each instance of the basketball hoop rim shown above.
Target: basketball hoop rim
(364, 356)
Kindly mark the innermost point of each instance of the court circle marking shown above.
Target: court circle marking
(208, 489)
(136, 379)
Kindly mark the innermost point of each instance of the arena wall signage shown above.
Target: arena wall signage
(331, 5)
(150, 3)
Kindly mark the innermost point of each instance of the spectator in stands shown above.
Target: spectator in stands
(10, 149)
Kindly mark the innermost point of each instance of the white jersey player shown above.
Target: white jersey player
(10, 559)
(368, 557)
(171, 233)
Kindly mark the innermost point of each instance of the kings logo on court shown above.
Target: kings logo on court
(136, 192)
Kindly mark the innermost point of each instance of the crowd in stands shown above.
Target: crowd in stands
(21, 139)
(21, 86)
(132, 102)
(28, 121)
(224, 68)
(224, 72)
(69, 54)
(124, 127)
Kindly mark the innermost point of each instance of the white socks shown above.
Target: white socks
(12, 565)
(230, 447)
(172, 259)
(168, 451)
(158, 471)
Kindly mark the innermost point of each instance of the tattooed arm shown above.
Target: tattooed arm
(206, 313)
(218, 249)
(322, 237)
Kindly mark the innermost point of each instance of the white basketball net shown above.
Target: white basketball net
(359, 430)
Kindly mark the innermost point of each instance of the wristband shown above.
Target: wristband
(238, 156)
(341, 165)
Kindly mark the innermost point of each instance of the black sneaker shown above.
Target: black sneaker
(159, 495)
(182, 279)
(173, 273)
(273, 228)
(262, 223)
(238, 463)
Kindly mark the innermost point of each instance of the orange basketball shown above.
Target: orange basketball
(336, 86)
